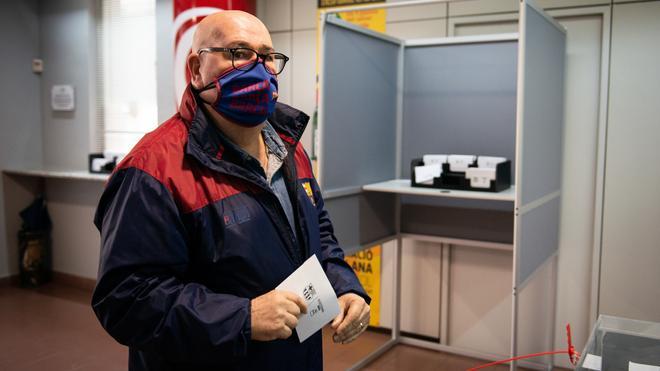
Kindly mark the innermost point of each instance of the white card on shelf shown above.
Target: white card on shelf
(425, 174)
(480, 178)
(460, 162)
(310, 282)
(434, 159)
(489, 161)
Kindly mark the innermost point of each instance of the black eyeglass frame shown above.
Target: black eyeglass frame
(261, 58)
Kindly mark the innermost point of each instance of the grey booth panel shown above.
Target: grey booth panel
(359, 108)
(539, 238)
(435, 217)
(362, 218)
(543, 110)
(460, 99)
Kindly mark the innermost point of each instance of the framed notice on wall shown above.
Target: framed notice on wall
(62, 98)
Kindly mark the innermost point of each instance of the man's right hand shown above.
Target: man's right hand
(274, 315)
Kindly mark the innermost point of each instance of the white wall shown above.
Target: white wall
(292, 24)
(20, 126)
(579, 175)
(165, 60)
(62, 33)
(76, 242)
(630, 266)
(68, 41)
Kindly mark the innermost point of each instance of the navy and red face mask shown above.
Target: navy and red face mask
(245, 97)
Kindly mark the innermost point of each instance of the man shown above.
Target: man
(210, 212)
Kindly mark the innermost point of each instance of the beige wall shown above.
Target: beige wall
(630, 266)
(20, 128)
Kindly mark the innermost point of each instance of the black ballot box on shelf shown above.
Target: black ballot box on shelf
(461, 180)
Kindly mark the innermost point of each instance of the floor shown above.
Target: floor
(53, 328)
(402, 357)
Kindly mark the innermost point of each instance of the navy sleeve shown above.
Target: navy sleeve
(340, 274)
(142, 297)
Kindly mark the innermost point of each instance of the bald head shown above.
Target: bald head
(231, 28)
(225, 29)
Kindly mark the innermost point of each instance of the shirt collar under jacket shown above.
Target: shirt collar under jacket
(275, 149)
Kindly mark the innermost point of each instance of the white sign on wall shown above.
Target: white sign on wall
(62, 98)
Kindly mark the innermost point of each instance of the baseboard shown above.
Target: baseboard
(71, 280)
(9, 280)
(64, 279)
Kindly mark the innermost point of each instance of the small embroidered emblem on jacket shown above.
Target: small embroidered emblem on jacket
(237, 216)
(308, 190)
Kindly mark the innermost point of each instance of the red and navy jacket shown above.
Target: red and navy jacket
(188, 239)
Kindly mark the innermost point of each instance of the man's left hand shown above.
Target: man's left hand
(352, 320)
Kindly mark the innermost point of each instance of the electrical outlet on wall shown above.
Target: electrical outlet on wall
(37, 65)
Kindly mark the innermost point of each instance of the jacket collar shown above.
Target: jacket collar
(205, 142)
(288, 122)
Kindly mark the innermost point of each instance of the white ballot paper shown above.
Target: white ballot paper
(310, 282)
(425, 174)
(434, 159)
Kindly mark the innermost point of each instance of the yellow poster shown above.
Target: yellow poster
(366, 264)
(373, 19)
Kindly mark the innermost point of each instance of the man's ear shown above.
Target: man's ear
(193, 64)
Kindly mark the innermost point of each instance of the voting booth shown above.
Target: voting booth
(386, 101)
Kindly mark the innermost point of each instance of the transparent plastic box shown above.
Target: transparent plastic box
(616, 342)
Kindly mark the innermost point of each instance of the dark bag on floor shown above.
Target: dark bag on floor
(34, 245)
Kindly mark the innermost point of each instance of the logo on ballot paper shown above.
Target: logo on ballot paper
(309, 292)
(316, 309)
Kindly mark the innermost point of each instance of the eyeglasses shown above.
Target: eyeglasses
(244, 59)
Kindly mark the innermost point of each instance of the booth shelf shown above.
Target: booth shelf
(402, 186)
(59, 174)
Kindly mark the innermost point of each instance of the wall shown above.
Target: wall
(165, 59)
(63, 34)
(76, 242)
(68, 48)
(20, 127)
(630, 269)
(292, 24)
